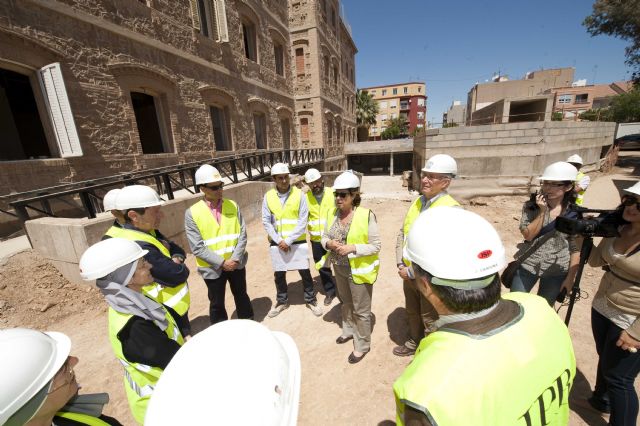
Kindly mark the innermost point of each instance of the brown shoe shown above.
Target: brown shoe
(356, 359)
(402, 350)
(343, 339)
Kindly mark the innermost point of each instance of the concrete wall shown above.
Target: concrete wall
(505, 158)
(62, 241)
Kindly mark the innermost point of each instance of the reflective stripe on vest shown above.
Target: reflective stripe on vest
(415, 210)
(139, 379)
(318, 212)
(286, 215)
(580, 194)
(521, 374)
(364, 269)
(221, 238)
(84, 419)
(114, 232)
(178, 297)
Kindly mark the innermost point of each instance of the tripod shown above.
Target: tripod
(585, 251)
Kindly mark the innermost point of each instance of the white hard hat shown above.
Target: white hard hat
(207, 174)
(457, 247)
(441, 163)
(312, 175)
(108, 255)
(279, 169)
(635, 189)
(559, 171)
(347, 180)
(137, 197)
(109, 200)
(234, 372)
(575, 158)
(29, 360)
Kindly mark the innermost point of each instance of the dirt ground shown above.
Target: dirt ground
(34, 294)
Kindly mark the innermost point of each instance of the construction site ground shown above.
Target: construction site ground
(34, 294)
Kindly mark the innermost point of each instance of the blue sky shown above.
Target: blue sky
(452, 45)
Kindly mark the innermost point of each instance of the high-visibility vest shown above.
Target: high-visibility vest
(318, 212)
(114, 231)
(520, 375)
(364, 269)
(177, 298)
(415, 209)
(221, 238)
(580, 194)
(84, 419)
(139, 379)
(286, 215)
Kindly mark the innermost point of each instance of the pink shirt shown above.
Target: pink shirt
(216, 210)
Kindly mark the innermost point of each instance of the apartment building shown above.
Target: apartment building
(455, 115)
(92, 88)
(406, 100)
(573, 100)
(532, 84)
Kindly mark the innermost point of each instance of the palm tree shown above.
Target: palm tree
(366, 111)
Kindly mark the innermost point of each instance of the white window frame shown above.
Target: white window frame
(565, 99)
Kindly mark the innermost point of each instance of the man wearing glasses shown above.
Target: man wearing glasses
(435, 179)
(217, 236)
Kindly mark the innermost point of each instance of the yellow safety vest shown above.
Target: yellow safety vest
(114, 231)
(580, 194)
(318, 212)
(221, 238)
(415, 209)
(364, 269)
(177, 298)
(286, 215)
(139, 379)
(85, 419)
(521, 375)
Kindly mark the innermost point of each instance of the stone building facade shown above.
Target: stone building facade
(91, 88)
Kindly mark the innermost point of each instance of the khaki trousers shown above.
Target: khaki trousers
(421, 314)
(356, 308)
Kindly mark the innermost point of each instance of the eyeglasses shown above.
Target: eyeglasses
(629, 201)
(433, 177)
(341, 194)
(66, 372)
(214, 187)
(554, 184)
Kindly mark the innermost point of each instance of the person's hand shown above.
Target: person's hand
(229, 265)
(283, 246)
(567, 284)
(345, 249)
(627, 343)
(332, 245)
(403, 272)
(541, 201)
(177, 259)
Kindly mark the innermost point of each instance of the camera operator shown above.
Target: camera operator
(615, 316)
(555, 261)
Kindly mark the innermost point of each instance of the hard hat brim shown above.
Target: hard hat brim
(464, 284)
(110, 268)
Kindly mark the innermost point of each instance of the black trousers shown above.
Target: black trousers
(282, 295)
(216, 290)
(328, 283)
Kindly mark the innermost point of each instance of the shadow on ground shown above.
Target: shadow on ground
(580, 391)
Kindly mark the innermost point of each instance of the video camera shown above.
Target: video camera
(604, 225)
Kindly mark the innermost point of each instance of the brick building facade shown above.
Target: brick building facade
(92, 88)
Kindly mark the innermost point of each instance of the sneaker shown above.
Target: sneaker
(599, 404)
(328, 299)
(280, 306)
(402, 350)
(317, 310)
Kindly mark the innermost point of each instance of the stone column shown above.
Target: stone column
(391, 164)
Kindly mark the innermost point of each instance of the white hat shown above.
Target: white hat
(279, 169)
(108, 255)
(559, 171)
(575, 158)
(137, 197)
(635, 189)
(441, 163)
(207, 174)
(312, 175)
(347, 180)
(109, 200)
(234, 372)
(459, 248)
(29, 360)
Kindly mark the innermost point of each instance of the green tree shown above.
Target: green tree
(625, 108)
(556, 116)
(396, 127)
(618, 18)
(366, 111)
(598, 114)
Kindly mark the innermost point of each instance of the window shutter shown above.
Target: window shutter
(221, 20)
(300, 61)
(55, 94)
(304, 129)
(195, 14)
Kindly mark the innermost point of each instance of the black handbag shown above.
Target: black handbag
(506, 278)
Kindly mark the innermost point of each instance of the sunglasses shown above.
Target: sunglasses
(341, 194)
(629, 201)
(214, 187)
(66, 372)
